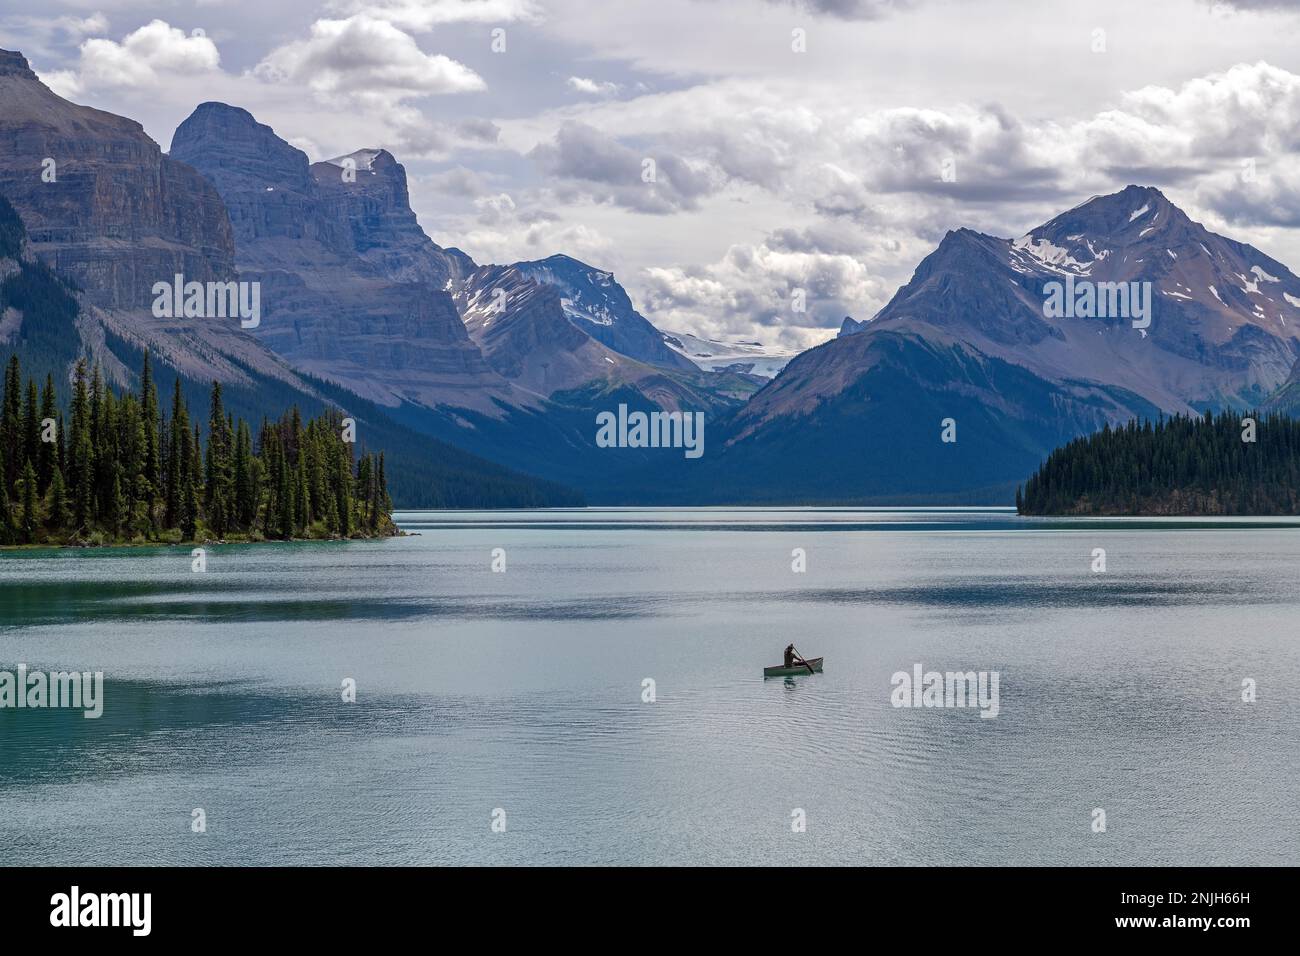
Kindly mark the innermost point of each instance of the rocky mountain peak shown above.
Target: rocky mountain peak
(119, 215)
(15, 64)
(595, 303)
(1104, 226)
(353, 291)
(369, 161)
(237, 152)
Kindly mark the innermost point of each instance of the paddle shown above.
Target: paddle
(802, 661)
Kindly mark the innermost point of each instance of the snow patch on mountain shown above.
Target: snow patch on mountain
(713, 355)
(364, 159)
(1046, 252)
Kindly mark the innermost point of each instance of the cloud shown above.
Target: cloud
(848, 9)
(493, 210)
(424, 15)
(1221, 6)
(865, 193)
(459, 181)
(581, 84)
(756, 285)
(597, 167)
(365, 57)
(1248, 109)
(528, 235)
(478, 131)
(144, 58)
(1254, 195)
(77, 27)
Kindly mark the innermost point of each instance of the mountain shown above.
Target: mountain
(86, 239)
(597, 304)
(713, 355)
(353, 290)
(104, 207)
(356, 293)
(1122, 307)
(850, 325)
(973, 337)
(508, 362)
(529, 333)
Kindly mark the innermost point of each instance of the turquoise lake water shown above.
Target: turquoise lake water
(523, 691)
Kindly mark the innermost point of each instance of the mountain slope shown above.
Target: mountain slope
(117, 217)
(531, 337)
(598, 305)
(353, 290)
(355, 293)
(971, 337)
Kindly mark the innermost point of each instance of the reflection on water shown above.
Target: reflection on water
(524, 690)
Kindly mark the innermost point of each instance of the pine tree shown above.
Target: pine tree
(150, 421)
(31, 425)
(80, 451)
(195, 504)
(7, 529)
(121, 470)
(11, 423)
(244, 504)
(343, 489)
(31, 516)
(47, 454)
(284, 493)
(177, 460)
(303, 494)
(217, 476)
(57, 507)
(386, 501)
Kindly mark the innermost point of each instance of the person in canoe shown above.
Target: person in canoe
(794, 662)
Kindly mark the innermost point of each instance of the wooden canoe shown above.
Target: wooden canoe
(780, 670)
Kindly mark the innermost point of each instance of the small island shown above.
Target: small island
(121, 472)
(1227, 464)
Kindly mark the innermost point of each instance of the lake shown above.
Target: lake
(520, 697)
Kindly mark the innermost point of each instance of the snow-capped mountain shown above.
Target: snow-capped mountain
(527, 328)
(598, 305)
(998, 334)
(712, 355)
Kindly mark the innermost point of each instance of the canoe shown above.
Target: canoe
(782, 671)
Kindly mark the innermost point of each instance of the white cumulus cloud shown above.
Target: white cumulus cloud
(424, 15)
(364, 56)
(143, 58)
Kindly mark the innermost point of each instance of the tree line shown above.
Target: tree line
(123, 471)
(1225, 464)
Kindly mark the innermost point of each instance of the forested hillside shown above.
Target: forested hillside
(39, 322)
(1206, 465)
(123, 470)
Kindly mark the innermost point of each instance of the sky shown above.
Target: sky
(721, 156)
